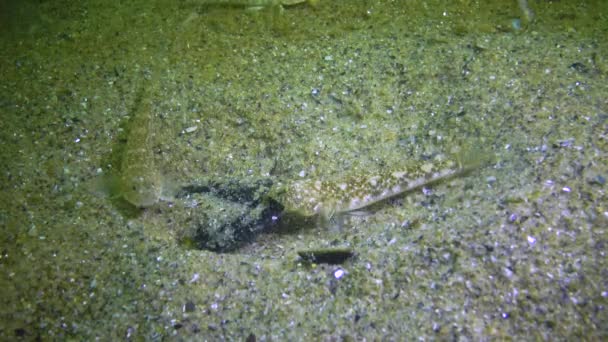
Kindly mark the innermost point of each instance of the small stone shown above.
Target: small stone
(507, 272)
(339, 273)
(191, 129)
(599, 180)
(426, 167)
(195, 278)
(189, 306)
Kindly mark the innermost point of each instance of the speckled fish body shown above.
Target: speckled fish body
(140, 178)
(328, 198)
(255, 4)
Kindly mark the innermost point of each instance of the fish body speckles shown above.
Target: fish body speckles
(328, 198)
(140, 179)
(258, 4)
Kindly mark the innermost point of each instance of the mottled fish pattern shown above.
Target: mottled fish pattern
(256, 4)
(332, 197)
(140, 179)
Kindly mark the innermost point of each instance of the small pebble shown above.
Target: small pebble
(339, 273)
(189, 306)
(599, 180)
(195, 278)
(516, 24)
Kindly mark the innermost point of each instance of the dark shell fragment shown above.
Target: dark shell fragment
(330, 256)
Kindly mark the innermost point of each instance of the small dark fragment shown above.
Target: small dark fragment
(189, 306)
(332, 256)
(579, 67)
(564, 143)
(598, 180)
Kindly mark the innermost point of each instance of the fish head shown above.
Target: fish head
(142, 191)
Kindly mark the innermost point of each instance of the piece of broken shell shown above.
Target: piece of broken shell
(330, 256)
